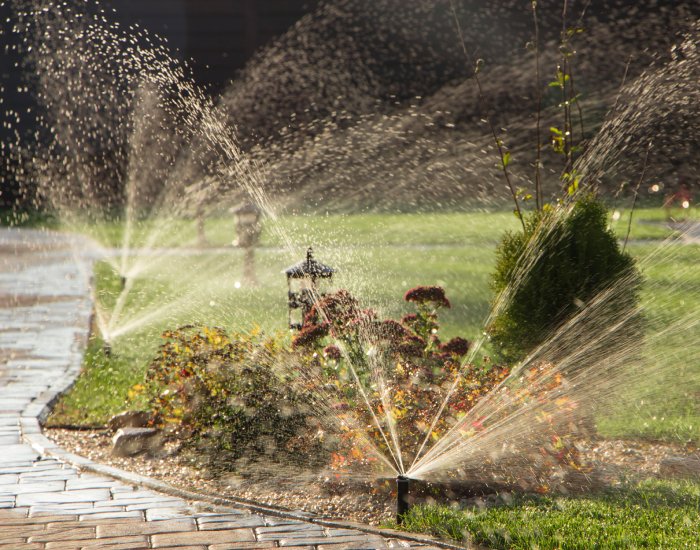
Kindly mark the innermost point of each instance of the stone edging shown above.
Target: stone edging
(39, 409)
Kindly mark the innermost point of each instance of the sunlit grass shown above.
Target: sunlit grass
(652, 514)
(378, 257)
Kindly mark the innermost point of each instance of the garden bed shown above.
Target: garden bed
(615, 460)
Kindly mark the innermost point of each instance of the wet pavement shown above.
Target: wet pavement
(50, 503)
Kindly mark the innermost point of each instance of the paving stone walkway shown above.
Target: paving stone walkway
(47, 503)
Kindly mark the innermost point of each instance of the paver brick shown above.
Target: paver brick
(70, 533)
(146, 528)
(50, 475)
(7, 531)
(41, 519)
(139, 501)
(122, 516)
(156, 504)
(91, 521)
(246, 546)
(8, 479)
(22, 546)
(289, 528)
(76, 508)
(63, 497)
(249, 522)
(202, 537)
(24, 488)
(228, 516)
(158, 514)
(111, 543)
(311, 533)
(14, 513)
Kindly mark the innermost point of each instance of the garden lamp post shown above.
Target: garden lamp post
(248, 229)
(304, 287)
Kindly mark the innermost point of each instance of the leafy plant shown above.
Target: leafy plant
(574, 258)
(226, 396)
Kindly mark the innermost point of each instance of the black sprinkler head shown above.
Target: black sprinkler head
(401, 494)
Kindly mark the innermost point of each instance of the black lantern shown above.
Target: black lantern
(248, 229)
(304, 287)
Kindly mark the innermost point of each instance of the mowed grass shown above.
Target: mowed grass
(378, 257)
(650, 514)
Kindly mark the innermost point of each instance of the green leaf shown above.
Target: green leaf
(506, 159)
(557, 132)
(555, 84)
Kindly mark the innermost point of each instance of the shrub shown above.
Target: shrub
(226, 396)
(573, 257)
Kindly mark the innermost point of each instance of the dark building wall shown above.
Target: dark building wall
(166, 18)
(222, 35)
(215, 37)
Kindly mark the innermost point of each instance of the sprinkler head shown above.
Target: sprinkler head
(107, 349)
(401, 502)
(123, 283)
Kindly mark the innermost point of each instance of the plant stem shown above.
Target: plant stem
(574, 99)
(567, 130)
(634, 199)
(619, 92)
(612, 117)
(539, 195)
(488, 118)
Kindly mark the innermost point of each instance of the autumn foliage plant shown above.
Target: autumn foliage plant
(226, 396)
(353, 394)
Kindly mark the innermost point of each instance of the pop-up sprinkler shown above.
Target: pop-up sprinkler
(401, 502)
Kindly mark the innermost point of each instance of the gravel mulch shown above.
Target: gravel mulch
(365, 504)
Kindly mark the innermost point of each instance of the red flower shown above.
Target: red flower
(332, 352)
(310, 334)
(428, 294)
(457, 347)
(409, 320)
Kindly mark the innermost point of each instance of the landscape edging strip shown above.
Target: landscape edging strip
(45, 446)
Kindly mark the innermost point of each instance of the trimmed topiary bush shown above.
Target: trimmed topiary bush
(547, 274)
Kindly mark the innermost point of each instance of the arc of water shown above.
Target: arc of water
(446, 445)
(501, 302)
(387, 407)
(317, 382)
(395, 451)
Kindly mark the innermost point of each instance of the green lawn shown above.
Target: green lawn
(379, 257)
(652, 514)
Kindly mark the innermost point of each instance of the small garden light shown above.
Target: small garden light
(248, 229)
(303, 287)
